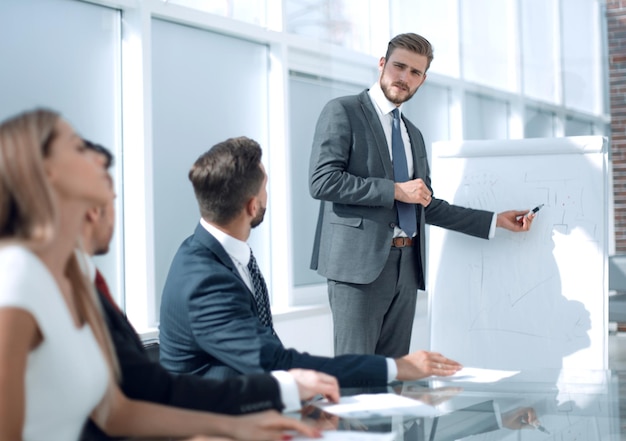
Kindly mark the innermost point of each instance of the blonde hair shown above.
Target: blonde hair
(28, 213)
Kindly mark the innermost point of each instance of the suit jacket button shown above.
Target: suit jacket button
(392, 225)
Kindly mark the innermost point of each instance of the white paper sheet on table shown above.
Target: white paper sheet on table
(478, 375)
(348, 435)
(374, 405)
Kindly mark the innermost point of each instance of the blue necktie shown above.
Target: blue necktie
(261, 296)
(406, 212)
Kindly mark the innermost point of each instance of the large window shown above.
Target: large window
(65, 55)
(582, 56)
(485, 117)
(438, 21)
(307, 97)
(361, 25)
(251, 11)
(489, 48)
(540, 48)
(207, 87)
(539, 123)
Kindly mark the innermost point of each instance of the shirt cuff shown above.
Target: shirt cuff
(392, 370)
(492, 229)
(289, 394)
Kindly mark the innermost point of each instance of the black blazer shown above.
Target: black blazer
(143, 379)
(209, 324)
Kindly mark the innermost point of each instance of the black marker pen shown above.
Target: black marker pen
(534, 210)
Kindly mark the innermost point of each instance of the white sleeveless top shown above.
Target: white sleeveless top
(66, 375)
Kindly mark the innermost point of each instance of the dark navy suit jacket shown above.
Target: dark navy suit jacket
(143, 379)
(209, 324)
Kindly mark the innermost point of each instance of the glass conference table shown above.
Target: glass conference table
(560, 405)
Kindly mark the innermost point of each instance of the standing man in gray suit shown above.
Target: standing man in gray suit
(369, 168)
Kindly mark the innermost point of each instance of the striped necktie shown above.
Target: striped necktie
(261, 296)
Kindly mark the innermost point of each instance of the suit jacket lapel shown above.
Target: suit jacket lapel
(208, 241)
(418, 171)
(377, 131)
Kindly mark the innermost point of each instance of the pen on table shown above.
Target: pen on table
(536, 425)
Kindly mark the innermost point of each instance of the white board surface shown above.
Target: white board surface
(522, 300)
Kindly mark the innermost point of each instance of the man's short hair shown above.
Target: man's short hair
(412, 42)
(226, 177)
(100, 149)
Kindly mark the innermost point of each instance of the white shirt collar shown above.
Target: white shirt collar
(382, 104)
(235, 248)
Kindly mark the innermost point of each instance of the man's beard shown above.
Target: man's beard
(398, 99)
(256, 221)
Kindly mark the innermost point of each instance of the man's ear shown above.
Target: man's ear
(93, 214)
(381, 64)
(252, 206)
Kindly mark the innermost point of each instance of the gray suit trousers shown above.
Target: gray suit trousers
(377, 318)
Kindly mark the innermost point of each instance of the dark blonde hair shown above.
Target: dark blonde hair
(28, 213)
(27, 210)
(414, 43)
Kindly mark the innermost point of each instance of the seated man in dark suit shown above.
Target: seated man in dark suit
(146, 380)
(215, 317)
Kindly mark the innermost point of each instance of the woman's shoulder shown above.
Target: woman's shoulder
(12, 248)
(23, 276)
(18, 260)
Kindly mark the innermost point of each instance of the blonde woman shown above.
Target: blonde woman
(57, 366)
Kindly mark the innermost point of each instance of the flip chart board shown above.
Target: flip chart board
(523, 300)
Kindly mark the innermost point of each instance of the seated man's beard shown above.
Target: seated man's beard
(256, 221)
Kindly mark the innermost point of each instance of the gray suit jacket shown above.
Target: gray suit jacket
(351, 173)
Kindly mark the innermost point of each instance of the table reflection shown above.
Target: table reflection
(542, 405)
